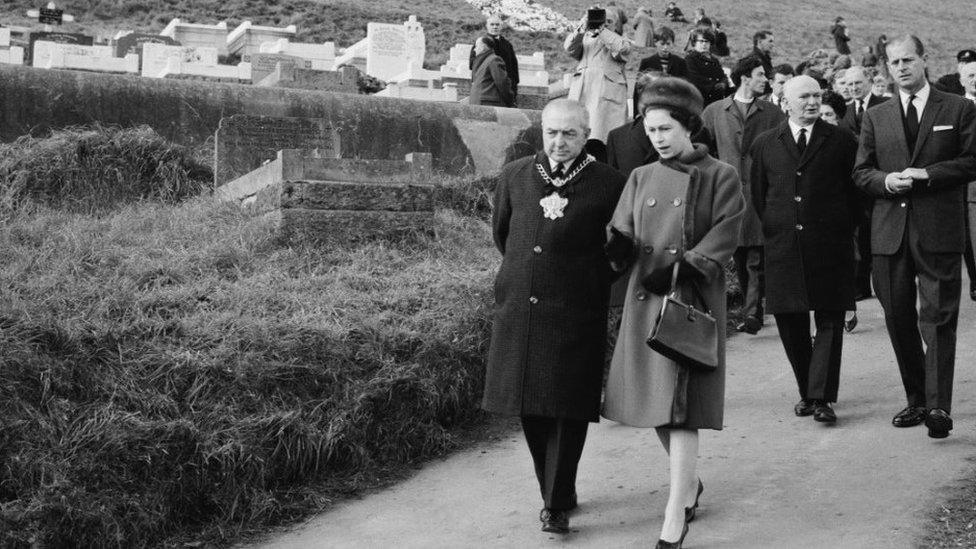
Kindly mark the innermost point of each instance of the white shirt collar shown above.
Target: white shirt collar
(795, 128)
(553, 164)
(921, 98)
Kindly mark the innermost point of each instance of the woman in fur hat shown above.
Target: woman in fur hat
(684, 208)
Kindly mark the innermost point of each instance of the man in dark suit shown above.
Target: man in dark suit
(952, 83)
(503, 48)
(804, 194)
(548, 341)
(859, 86)
(916, 154)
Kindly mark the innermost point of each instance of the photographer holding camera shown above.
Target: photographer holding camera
(599, 82)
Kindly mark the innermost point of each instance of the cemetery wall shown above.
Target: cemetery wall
(462, 139)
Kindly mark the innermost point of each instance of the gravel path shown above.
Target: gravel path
(771, 479)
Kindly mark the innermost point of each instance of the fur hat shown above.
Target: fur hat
(674, 93)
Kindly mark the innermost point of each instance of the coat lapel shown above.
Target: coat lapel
(786, 138)
(817, 139)
(889, 122)
(932, 108)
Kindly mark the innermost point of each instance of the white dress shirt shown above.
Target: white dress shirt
(795, 128)
(921, 98)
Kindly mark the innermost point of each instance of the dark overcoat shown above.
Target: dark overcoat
(732, 136)
(705, 72)
(506, 51)
(549, 334)
(809, 207)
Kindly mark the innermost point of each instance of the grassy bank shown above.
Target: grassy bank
(173, 369)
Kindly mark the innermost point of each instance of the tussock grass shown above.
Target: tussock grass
(172, 373)
(93, 169)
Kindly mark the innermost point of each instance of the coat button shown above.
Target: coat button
(648, 249)
(799, 227)
(651, 202)
(533, 300)
(798, 199)
(641, 296)
(537, 249)
(677, 202)
(903, 204)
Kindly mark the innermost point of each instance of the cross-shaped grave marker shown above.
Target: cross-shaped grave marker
(49, 16)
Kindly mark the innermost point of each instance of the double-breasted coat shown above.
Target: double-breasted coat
(672, 209)
(731, 137)
(599, 82)
(809, 207)
(548, 339)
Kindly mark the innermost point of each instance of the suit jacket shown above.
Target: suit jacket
(731, 139)
(676, 65)
(809, 207)
(936, 206)
(504, 50)
(851, 121)
(628, 147)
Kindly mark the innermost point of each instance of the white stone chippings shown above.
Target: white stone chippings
(525, 15)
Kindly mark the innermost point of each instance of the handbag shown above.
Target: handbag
(686, 335)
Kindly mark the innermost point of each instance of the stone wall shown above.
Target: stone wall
(462, 139)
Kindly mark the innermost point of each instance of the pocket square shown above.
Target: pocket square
(941, 128)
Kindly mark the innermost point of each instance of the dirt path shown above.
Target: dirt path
(771, 479)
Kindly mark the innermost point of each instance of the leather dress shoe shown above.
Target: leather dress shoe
(661, 544)
(750, 325)
(910, 416)
(691, 511)
(804, 408)
(555, 521)
(849, 325)
(823, 413)
(938, 422)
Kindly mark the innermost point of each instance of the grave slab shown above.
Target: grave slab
(198, 35)
(247, 38)
(344, 80)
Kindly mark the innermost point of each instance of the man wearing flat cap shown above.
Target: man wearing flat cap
(950, 83)
(548, 341)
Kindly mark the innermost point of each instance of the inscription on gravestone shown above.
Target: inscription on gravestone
(386, 50)
(133, 42)
(245, 142)
(263, 64)
(49, 16)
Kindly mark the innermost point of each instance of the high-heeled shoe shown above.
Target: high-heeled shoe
(690, 511)
(661, 544)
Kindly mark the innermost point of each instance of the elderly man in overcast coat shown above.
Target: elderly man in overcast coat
(916, 155)
(804, 195)
(548, 341)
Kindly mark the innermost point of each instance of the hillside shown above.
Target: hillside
(799, 26)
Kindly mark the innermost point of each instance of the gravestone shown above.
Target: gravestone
(60, 38)
(248, 37)
(344, 80)
(336, 200)
(133, 42)
(243, 142)
(386, 50)
(53, 55)
(156, 57)
(263, 64)
(198, 35)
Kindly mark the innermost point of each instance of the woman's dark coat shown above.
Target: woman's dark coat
(705, 72)
(549, 335)
(809, 207)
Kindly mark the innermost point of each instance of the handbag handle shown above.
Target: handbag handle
(674, 289)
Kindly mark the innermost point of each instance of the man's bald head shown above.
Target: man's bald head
(802, 95)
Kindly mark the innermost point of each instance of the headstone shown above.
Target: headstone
(243, 142)
(60, 38)
(52, 55)
(197, 35)
(133, 42)
(416, 41)
(156, 57)
(247, 38)
(386, 50)
(49, 16)
(345, 80)
(4, 37)
(334, 200)
(457, 62)
(263, 64)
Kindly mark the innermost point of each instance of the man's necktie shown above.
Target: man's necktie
(911, 123)
(801, 142)
(558, 172)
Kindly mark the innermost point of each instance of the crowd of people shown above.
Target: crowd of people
(826, 183)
